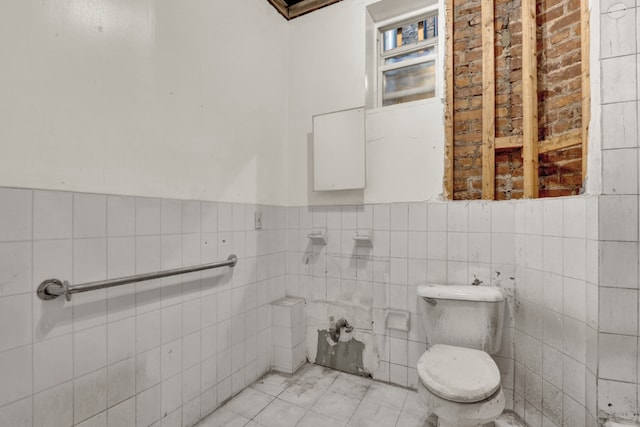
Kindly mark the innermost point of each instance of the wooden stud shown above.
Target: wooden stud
(560, 142)
(529, 99)
(488, 101)
(505, 142)
(586, 83)
(448, 111)
(556, 142)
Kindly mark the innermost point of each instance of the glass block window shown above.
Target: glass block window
(407, 60)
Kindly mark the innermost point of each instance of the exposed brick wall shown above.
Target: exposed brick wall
(559, 88)
(467, 103)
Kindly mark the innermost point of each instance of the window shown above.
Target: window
(407, 60)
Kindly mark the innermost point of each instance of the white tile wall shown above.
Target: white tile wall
(132, 355)
(617, 322)
(441, 242)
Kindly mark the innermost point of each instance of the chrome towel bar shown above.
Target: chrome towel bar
(53, 288)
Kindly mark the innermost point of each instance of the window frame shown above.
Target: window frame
(381, 56)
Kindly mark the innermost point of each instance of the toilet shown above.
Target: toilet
(458, 379)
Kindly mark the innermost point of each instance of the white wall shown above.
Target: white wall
(328, 69)
(144, 97)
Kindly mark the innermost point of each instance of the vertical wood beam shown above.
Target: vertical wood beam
(529, 99)
(586, 83)
(448, 112)
(488, 101)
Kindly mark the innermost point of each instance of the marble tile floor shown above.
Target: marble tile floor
(319, 397)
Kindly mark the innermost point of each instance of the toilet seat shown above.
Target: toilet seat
(458, 374)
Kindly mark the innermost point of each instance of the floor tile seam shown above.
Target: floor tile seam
(242, 415)
(270, 403)
(404, 399)
(355, 412)
(329, 416)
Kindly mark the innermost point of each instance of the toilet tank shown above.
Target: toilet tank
(464, 316)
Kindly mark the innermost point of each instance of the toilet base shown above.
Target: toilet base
(454, 414)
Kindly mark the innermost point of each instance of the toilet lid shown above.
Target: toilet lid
(458, 374)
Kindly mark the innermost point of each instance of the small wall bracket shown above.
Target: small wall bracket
(363, 238)
(318, 237)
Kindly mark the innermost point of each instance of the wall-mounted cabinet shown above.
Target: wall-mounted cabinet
(339, 150)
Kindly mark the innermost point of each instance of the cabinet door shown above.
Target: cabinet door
(339, 150)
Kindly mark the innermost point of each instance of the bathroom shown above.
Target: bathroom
(142, 136)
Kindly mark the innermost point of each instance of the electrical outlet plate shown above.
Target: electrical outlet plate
(257, 216)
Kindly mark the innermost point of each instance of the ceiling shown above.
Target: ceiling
(293, 8)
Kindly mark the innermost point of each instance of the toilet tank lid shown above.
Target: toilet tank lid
(461, 292)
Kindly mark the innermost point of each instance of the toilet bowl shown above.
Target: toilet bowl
(458, 380)
(460, 385)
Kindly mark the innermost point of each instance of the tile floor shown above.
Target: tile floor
(319, 397)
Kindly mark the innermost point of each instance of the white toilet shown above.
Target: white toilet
(459, 381)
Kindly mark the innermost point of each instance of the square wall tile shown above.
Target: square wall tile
(619, 398)
(225, 217)
(620, 125)
(618, 264)
(89, 215)
(191, 221)
(575, 217)
(618, 311)
(89, 260)
(618, 218)
(480, 217)
(502, 217)
(620, 171)
(18, 414)
(553, 216)
(458, 217)
(15, 215)
(618, 357)
(52, 407)
(381, 217)
(90, 350)
(148, 404)
(617, 33)
(121, 336)
(17, 374)
(418, 217)
(52, 215)
(437, 216)
(552, 254)
(209, 217)
(618, 80)
(121, 216)
(53, 362)
(238, 211)
(123, 414)
(575, 298)
(364, 217)
(148, 216)
(15, 268)
(15, 321)
(90, 395)
(574, 258)
(170, 216)
(503, 248)
(399, 217)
